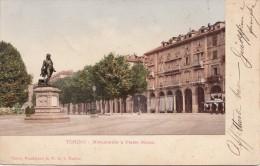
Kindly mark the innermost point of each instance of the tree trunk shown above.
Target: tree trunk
(68, 108)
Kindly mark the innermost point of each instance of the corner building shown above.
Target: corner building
(186, 71)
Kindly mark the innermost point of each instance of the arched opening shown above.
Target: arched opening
(152, 104)
(161, 102)
(179, 101)
(201, 98)
(140, 103)
(169, 102)
(188, 101)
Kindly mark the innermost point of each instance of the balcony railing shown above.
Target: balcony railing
(214, 78)
(173, 58)
(150, 64)
(173, 84)
(199, 81)
(172, 70)
(151, 75)
(198, 64)
(151, 87)
(161, 72)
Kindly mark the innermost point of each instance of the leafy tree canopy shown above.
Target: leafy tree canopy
(138, 77)
(76, 88)
(112, 77)
(14, 79)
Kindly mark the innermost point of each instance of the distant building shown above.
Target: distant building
(132, 59)
(60, 75)
(187, 70)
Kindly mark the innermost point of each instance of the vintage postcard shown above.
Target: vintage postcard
(114, 82)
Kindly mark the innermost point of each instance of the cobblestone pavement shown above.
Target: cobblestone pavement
(117, 124)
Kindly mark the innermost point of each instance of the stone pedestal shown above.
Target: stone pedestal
(47, 107)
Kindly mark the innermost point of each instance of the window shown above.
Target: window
(215, 54)
(177, 79)
(214, 40)
(215, 71)
(187, 76)
(169, 56)
(161, 59)
(187, 61)
(199, 75)
(197, 57)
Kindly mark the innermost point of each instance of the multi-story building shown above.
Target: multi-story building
(187, 70)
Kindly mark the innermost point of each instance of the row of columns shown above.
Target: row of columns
(157, 100)
(209, 107)
(114, 106)
(102, 106)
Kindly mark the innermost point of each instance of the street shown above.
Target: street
(119, 124)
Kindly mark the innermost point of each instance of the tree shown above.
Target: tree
(77, 88)
(86, 82)
(138, 78)
(14, 79)
(112, 77)
(65, 85)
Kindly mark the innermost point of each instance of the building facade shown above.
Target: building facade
(186, 71)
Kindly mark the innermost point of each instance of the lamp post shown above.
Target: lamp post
(94, 105)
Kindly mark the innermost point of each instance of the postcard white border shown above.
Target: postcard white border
(171, 149)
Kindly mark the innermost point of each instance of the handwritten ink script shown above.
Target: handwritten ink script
(245, 32)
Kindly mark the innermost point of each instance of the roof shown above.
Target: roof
(197, 34)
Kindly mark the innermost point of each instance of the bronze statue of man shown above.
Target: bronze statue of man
(47, 68)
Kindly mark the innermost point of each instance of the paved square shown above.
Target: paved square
(117, 124)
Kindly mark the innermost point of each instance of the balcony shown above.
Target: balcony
(199, 81)
(214, 79)
(173, 84)
(198, 65)
(151, 87)
(172, 70)
(161, 73)
(151, 75)
(172, 58)
(161, 85)
(150, 64)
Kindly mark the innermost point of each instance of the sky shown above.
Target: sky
(80, 32)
